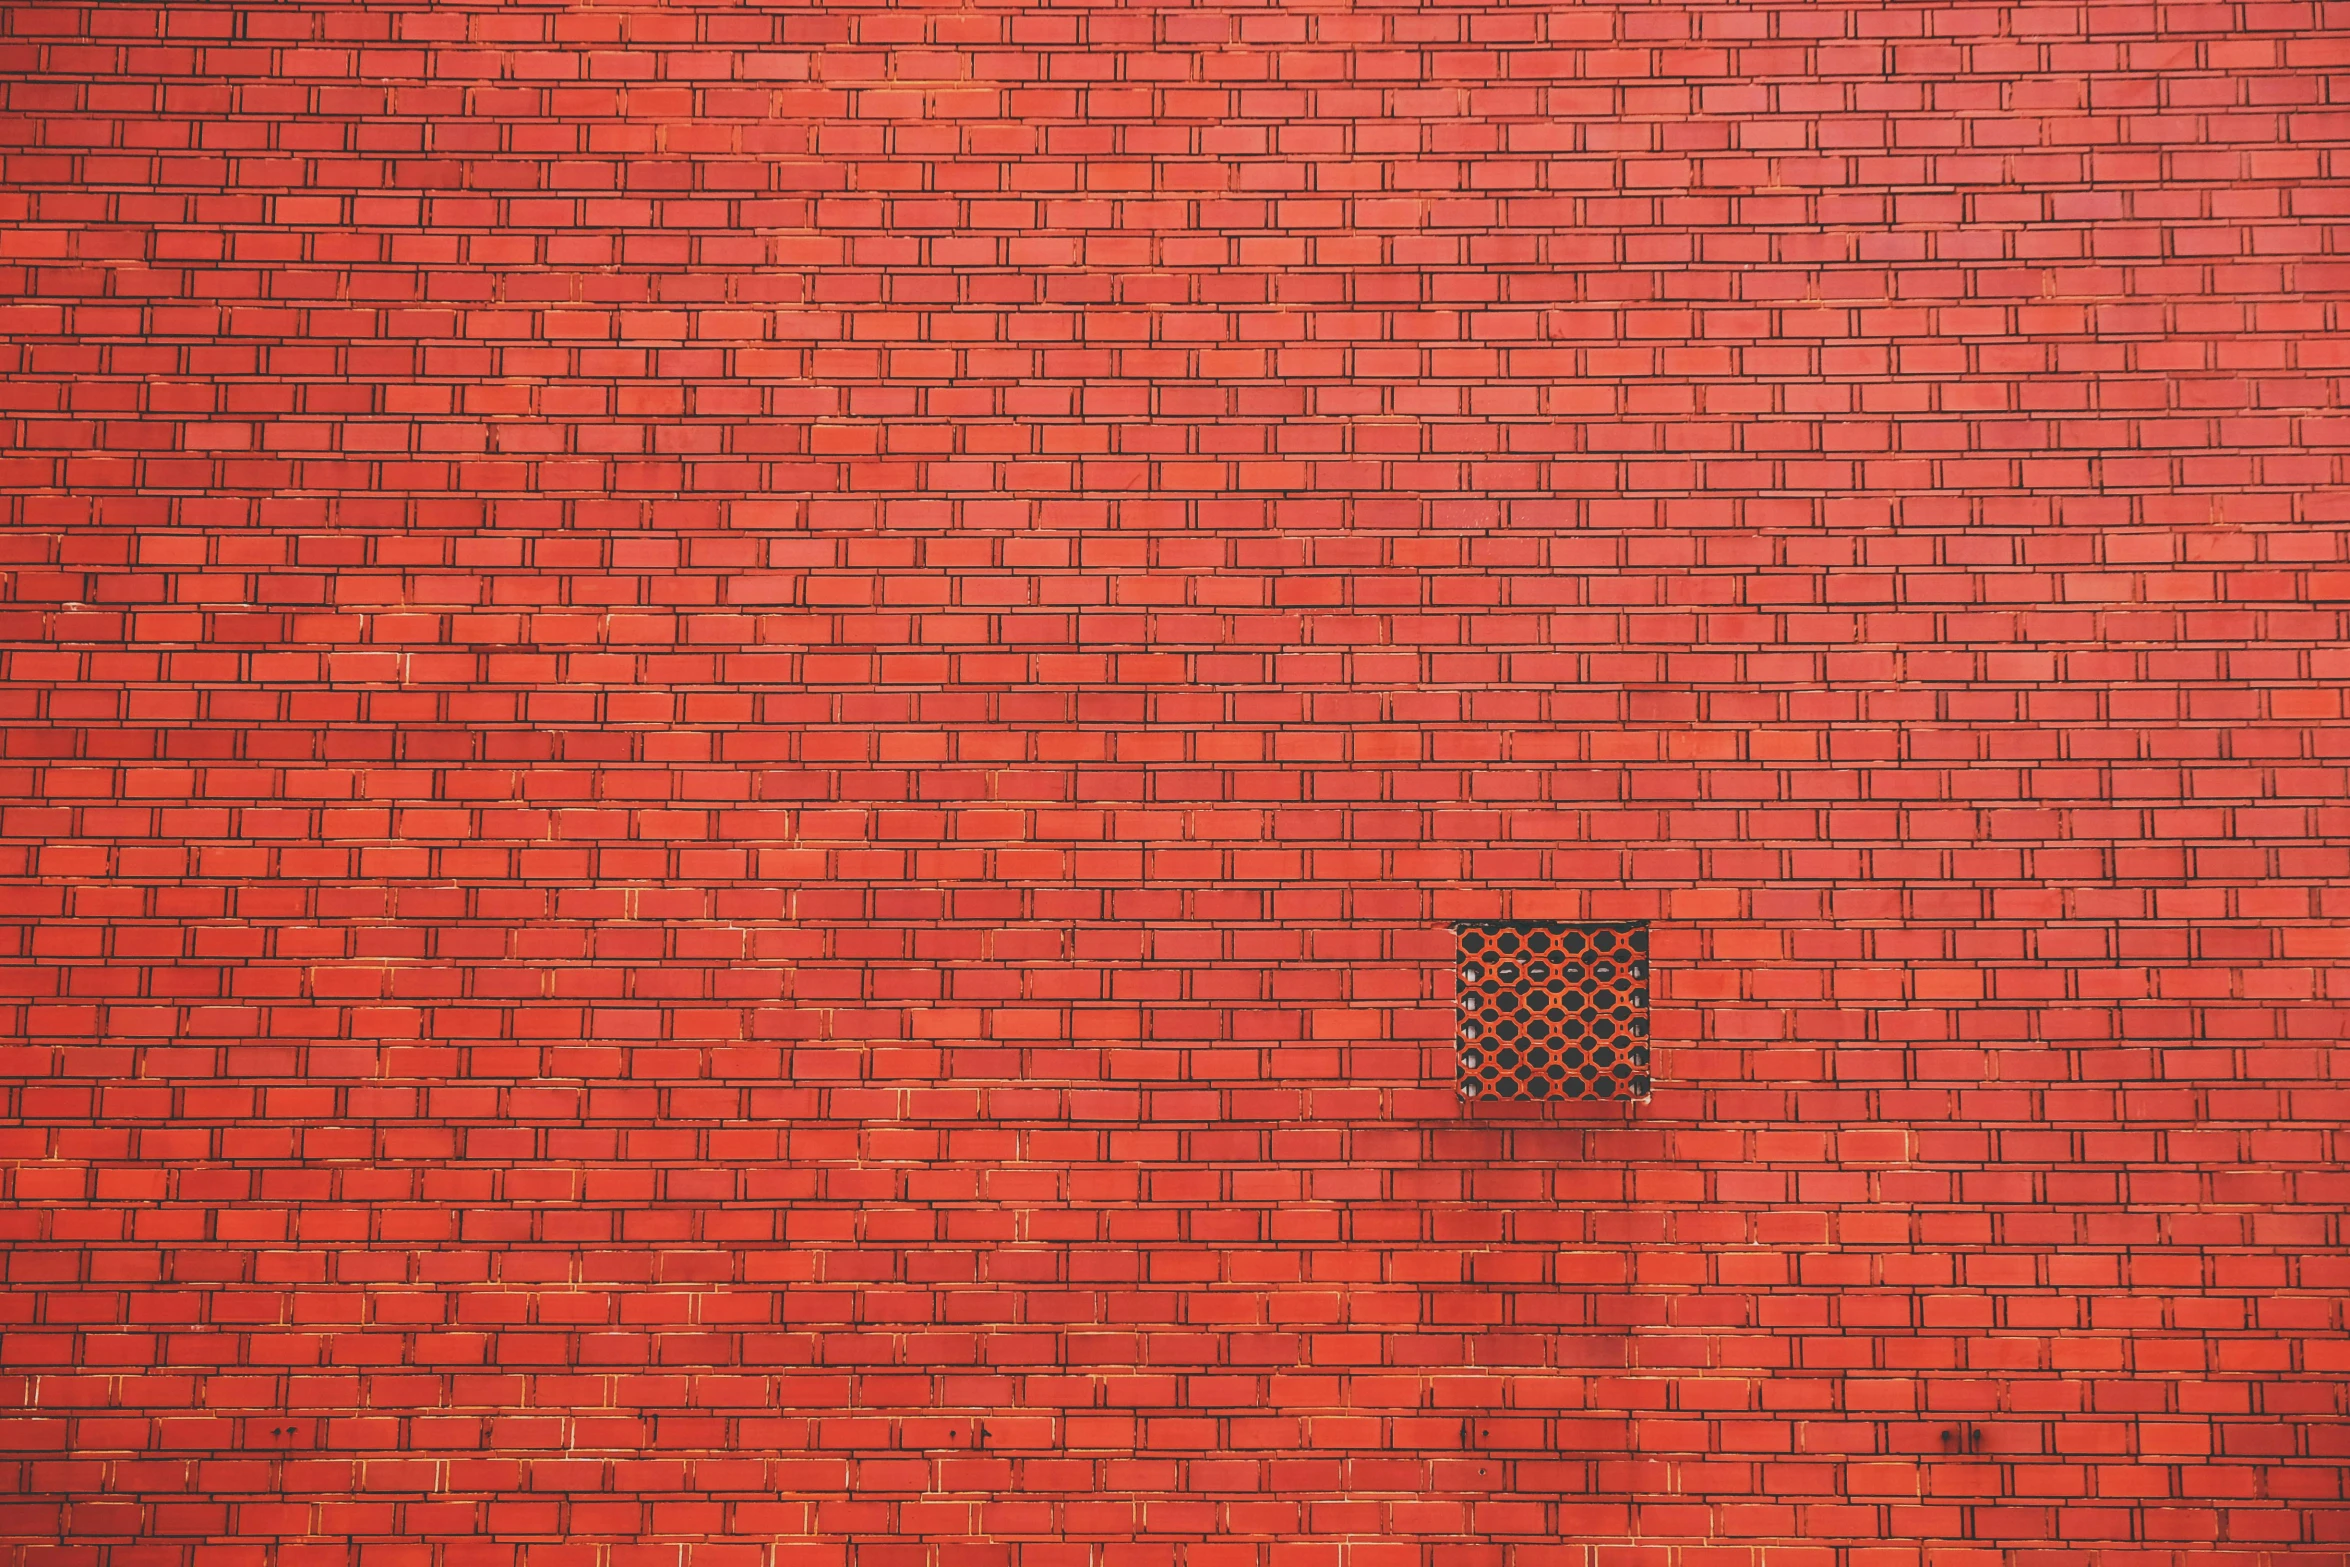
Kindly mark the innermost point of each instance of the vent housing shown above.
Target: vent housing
(1550, 1010)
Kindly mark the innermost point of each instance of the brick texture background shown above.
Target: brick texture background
(737, 738)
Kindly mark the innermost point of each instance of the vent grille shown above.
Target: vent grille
(1553, 1011)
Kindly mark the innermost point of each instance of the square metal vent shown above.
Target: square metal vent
(1553, 1011)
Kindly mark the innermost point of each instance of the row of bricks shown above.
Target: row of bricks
(1210, 354)
(2079, 1223)
(451, 1404)
(586, 1418)
(1317, 962)
(1128, 54)
(1435, 116)
(1236, 100)
(958, 1331)
(461, 1410)
(128, 881)
(550, 1143)
(2194, 1006)
(125, 275)
(580, 415)
(1430, 636)
(1938, 928)
(250, 276)
(439, 110)
(593, 1151)
(551, 1132)
(603, 416)
(1492, 763)
(964, 1530)
(1049, 945)
(1024, 1467)
(1331, 450)
(2064, 1208)
(1210, 65)
(1018, 1468)
(172, 535)
(2191, 1049)
(416, 732)
(1249, 885)
(558, 1142)
(939, 486)
(1111, 787)
(588, 1172)
(835, 105)
(1835, 531)
(2174, 1298)
(826, 876)
(835, 1397)
(2083, 1252)
(67, 546)
(2096, 1213)
(711, 1026)
(1162, 254)
(2087, 1243)
(1021, 1467)
(546, 981)
(46, 272)
(1397, 674)
(239, 886)
(1634, 178)
(658, 30)
(1224, 589)
(298, 1316)
(108, 257)
(1324, 1229)
(56, 275)
(450, 1490)
(1014, 841)
(165, 1413)
(1633, 388)
(125, 1321)
(924, 456)
(613, 1152)
(131, 883)
(2116, 1374)
(1986, 992)
(1424, 382)
(1441, 1401)
(1058, 961)
(991, 436)
(473, 720)
(1832, 529)
(2091, 1229)
(2236, 1312)
(1618, 257)
(1634, 401)
(1327, 322)
(419, 297)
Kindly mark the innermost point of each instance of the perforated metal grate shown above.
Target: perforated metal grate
(1553, 1011)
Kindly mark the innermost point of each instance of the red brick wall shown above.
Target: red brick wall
(736, 741)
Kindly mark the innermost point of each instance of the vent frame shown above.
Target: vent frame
(1517, 1039)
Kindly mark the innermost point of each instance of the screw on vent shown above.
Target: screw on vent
(1553, 1011)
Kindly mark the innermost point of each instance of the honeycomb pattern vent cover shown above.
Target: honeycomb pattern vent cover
(1553, 1011)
